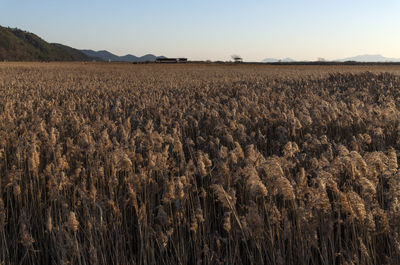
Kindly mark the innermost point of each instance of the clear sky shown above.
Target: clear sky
(215, 29)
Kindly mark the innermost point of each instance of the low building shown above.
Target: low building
(171, 60)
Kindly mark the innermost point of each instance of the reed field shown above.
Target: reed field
(199, 164)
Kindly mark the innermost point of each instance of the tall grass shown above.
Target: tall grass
(210, 165)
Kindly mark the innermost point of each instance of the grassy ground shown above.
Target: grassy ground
(199, 164)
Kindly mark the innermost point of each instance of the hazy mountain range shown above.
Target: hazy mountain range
(360, 58)
(108, 56)
(369, 58)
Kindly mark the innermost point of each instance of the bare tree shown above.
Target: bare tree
(237, 58)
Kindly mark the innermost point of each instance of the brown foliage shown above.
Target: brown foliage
(197, 164)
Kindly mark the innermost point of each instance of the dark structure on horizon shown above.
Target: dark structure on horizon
(171, 60)
(237, 59)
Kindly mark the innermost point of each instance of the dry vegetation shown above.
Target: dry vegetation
(123, 164)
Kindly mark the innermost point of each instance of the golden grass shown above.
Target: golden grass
(199, 164)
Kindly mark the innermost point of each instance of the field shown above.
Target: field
(199, 164)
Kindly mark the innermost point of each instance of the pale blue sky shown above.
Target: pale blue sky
(206, 29)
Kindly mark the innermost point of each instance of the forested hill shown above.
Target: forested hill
(20, 45)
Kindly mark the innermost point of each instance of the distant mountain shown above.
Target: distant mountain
(369, 58)
(108, 56)
(105, 55)
(273, 60)
(20, 45)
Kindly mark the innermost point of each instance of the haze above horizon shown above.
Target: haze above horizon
(201, 30)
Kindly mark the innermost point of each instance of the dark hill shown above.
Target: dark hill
(19, 45)
(105, 55)
(108, 56)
